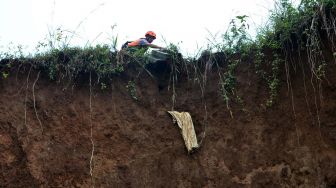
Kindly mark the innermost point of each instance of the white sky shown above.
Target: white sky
(26, 22)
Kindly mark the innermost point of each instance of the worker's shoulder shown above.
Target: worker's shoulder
(143, 41)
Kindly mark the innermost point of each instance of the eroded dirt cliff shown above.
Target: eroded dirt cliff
(56, 134)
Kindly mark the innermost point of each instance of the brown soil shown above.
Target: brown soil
(45, 133)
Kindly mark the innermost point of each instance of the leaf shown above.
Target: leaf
(5, 75)
(242, 18)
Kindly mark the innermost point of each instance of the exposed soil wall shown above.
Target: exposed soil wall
(73, 135)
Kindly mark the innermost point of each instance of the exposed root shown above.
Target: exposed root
(205, 120)
(202, 84)
(36, 114)
(91, 136)
(290, 90)
(173, 79)
(25, 101)
(317, 59)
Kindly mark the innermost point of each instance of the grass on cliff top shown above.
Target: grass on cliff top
(286, 23)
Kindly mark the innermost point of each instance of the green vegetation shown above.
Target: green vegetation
(72, 61)
(131, 88)
(291, 30)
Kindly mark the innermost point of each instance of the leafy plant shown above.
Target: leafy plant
(103, 86)
(5, 75)
(228, 83)
(132, 89)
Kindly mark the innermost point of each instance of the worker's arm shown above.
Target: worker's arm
(144, 42)
(156, 46)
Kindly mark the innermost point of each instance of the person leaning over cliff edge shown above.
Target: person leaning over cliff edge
(140, 47)
(146, 42)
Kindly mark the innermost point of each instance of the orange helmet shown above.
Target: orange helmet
(151, 33)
